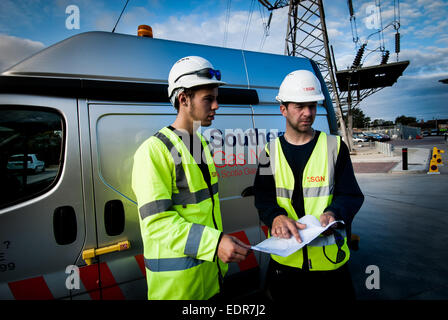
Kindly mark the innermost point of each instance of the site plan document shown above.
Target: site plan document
(286, 247)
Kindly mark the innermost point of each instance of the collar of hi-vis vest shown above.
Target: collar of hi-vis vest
(318, 174)
(192, 187)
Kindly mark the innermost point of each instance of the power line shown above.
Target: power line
(226, 29)
(265, 27)
(246, 31)
(113, 30)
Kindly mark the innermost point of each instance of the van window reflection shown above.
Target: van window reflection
(30, 152)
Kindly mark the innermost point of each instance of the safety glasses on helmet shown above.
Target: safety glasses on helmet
(204, 73)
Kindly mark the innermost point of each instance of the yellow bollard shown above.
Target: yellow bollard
(433, 169)
(439, 157)
(436, 156)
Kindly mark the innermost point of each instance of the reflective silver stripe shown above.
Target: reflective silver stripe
(215, 188)
(185, 197)
(155, 207)
(194, 240)
(171, 264)
(170, 146)
(284, 193)
(326, 241)
(316, 192)
(181, 179)
(332, 154)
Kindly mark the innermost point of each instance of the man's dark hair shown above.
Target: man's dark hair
(189, 92)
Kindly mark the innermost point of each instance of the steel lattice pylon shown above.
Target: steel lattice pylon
(306, 36)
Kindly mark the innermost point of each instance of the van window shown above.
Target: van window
(31, 143)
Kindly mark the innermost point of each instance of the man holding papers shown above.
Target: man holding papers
(305, 173)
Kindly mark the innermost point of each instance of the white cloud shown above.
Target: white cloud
(434, 29)
(207, 29)
(333, 32)
(433, 60)
(15, 49)
(411, 95)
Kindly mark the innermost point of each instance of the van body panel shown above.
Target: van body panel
(110, 91)
(262, 71)
(28, 227)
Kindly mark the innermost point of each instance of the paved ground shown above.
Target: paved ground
(402, 226)
(366, 159)
(374, 167)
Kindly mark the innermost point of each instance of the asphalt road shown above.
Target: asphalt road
(402, 225)
(426, 142)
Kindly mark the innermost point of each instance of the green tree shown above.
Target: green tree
(405, 120)
(359, 118)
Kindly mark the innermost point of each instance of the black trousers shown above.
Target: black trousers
(287, 284)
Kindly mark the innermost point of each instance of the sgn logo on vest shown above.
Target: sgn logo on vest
(315, 179)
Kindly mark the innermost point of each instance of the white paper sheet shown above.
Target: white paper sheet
(285, 247)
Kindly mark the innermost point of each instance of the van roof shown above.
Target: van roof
(125, 67)
(111, 56)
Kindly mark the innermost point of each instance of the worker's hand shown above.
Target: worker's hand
(285, 227)
(231, 249)
(325, 219)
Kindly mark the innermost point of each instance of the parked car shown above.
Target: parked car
(434, 132)
(425, 133)
(384, 137)
(373, 136)
(15, 162)
(359, 139)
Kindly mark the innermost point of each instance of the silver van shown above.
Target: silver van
(83, 106)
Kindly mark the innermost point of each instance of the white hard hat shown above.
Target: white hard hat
(190, 72)
(300, 86)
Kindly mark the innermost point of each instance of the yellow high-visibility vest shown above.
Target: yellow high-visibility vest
(325, 252)
(180, 221)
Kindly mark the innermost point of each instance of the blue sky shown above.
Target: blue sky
(27, 26)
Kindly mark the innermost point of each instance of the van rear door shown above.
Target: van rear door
(117, 130)
(42, 218)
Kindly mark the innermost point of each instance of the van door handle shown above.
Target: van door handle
(247, 192)
(64, 225)
(89, 254)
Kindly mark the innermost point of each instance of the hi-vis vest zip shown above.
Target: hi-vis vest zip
(180, 219)
(318, 185)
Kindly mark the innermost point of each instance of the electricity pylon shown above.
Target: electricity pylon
(306, 36)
